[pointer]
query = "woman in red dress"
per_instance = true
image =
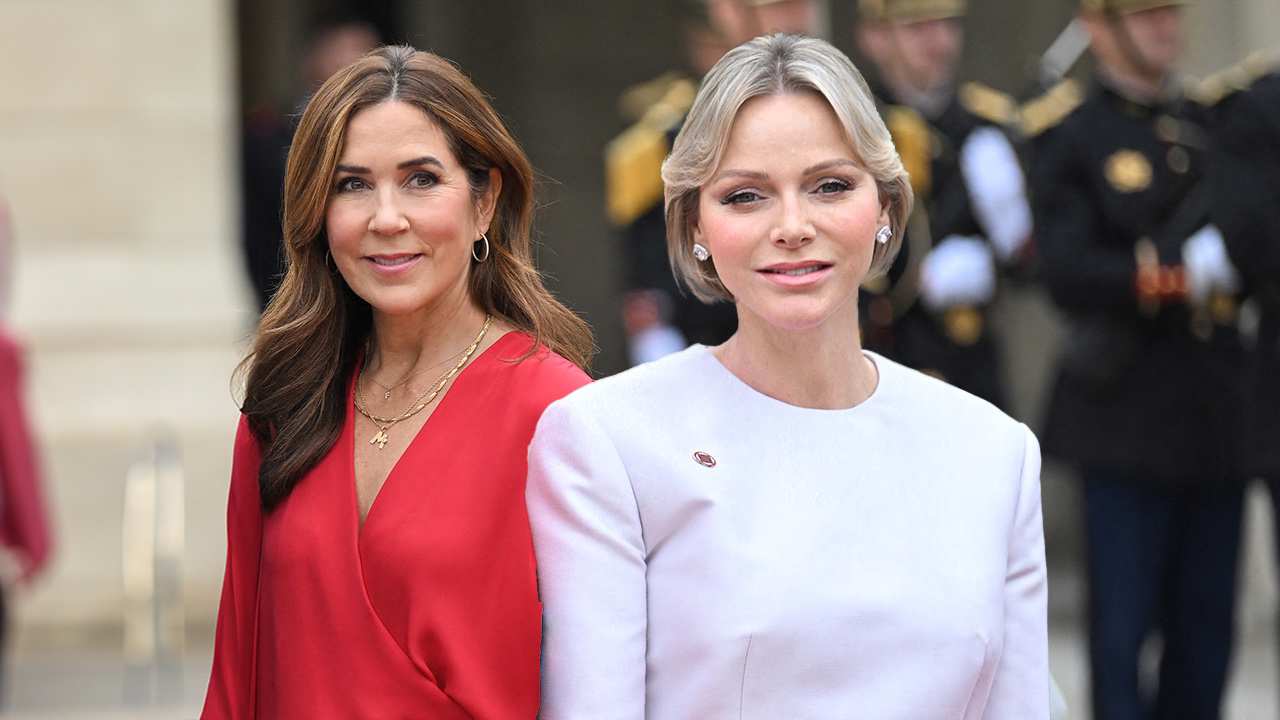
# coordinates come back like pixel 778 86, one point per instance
pixel 379 563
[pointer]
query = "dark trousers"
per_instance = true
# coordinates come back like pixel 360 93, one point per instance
pixel 1162 559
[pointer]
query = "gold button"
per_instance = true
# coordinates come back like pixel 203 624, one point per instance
pixel 1167 129
pixel 1179 160
pixel 964 325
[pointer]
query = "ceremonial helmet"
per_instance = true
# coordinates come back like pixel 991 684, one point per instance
pixel 1124 7
pixel 911 10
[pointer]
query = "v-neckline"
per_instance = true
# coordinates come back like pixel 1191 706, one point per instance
pixel 361 523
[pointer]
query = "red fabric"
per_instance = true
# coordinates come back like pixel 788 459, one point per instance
pixel 428 611
pixel 23 523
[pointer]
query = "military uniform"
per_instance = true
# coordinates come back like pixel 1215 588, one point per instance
pixel 1248 130
pixel 633 177
pixel 951 338
pixel 1146 398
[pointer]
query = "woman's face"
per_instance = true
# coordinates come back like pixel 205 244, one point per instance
pixel 790 215
pixel 401 217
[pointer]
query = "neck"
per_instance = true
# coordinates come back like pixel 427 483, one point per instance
pixel 1143 87
pixel 930 102
pixel 402 344
pixel 821 367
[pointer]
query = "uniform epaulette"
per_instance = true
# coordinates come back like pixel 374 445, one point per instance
pixel 633 172
pixel 1225 83
pixel 637 99
pixel 988 103
pixel 1051 108
pixel 633 160
pixel 914 141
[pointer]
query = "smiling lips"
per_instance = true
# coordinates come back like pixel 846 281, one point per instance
pixel 796 273
pixel 391 264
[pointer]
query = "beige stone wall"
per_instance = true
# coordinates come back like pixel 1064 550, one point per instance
pixel 1225 31
pixel 118 155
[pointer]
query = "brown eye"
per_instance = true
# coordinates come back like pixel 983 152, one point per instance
pixel 422 180
pixel 349 184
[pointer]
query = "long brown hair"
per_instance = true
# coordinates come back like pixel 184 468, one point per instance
pixel 312 331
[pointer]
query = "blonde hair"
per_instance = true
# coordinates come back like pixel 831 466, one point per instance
pixel 775 65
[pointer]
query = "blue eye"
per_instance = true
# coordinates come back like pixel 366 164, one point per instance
pixel 740 198
pixel 831 187
pixel 348 184
pixel 422 180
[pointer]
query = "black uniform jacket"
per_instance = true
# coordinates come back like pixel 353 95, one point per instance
pixel 633 168
pixel 1152 389
pixel 956 344
pixel 1247 181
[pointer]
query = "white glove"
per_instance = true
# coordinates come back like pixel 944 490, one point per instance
pixel 1207 266
pixel 958 271
pixel 994 177
pixel 654 342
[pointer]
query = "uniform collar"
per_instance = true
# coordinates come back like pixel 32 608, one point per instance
pixel 1132 100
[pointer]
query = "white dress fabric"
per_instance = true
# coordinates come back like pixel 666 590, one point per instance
pixel 705 551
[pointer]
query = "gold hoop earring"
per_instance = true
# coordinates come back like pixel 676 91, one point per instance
pixel 484 239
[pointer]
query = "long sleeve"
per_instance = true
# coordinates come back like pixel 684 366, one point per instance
pixel 231 683
pixel 1245 173
pixel 998 191
pixel 591 568
pixel 23 520
pixel 1080 272
pixel 1020 690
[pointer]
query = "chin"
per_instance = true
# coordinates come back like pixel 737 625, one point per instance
pixel 397 303
pixel 798 316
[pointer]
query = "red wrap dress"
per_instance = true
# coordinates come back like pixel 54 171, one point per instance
pixel 428 610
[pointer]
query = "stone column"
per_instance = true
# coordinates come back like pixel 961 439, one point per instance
pixel 118 156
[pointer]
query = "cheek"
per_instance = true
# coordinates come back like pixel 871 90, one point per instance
pixel 853 226
pixel 343 226
pixel 444 221
pixel 730 235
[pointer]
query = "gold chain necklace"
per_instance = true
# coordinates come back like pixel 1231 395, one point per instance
pixel 386 395
pixel 381 438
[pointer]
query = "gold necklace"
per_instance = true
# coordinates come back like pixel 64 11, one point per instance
pixel 386 395
pixel 381 438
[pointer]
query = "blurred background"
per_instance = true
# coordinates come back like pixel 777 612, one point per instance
pixel 126 132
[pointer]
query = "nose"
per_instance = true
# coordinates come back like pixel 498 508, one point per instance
pixel 794 229
pixel 387 218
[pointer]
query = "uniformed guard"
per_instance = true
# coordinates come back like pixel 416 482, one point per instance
pixel 658 317
pixel 1245 180
pixel 934 313
pixel 1247 111
pixel 1146 400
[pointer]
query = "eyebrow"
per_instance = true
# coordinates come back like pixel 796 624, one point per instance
pixel 749 174
pixel 757 175
pixel 838 162
pixel 360 170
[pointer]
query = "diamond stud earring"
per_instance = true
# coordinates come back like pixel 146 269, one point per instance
pixel 701 252
pixel 883 234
